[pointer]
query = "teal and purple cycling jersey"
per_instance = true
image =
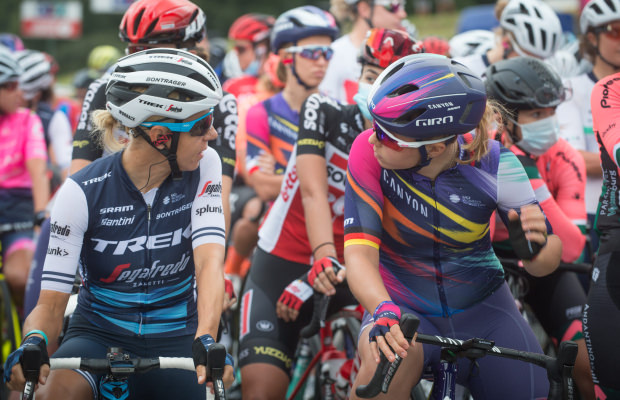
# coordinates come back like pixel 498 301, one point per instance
pixel 435 254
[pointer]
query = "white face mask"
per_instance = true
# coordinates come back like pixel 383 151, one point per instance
pixel 539 136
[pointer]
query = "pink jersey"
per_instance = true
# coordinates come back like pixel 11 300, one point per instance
pixel 605 103
pixel 559 183
pixel 21 139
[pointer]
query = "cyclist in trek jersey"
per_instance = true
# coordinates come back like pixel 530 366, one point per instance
pixel 146 226
pixel 148 24
pixel 601 315
pixel 529 91
pixel 600 42
pixel 343 73
pixel 527 28
pixel 302 38
pixel 418 200
pixel 24 185
pixel 302 235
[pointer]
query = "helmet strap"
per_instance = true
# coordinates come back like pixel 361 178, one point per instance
pixel 614 66
pixel 294 71
pixel 423 156
pixel 170 154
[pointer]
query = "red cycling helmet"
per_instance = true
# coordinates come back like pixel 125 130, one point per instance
pixel 435 45
pixel 163 21
pixel 253 27
pixel 384 46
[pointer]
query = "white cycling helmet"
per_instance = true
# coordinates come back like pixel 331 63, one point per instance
pixel 535 26
pixel 37 72
pixel 9 68
pixel 476 41
pixel 599 12
pixel 161 71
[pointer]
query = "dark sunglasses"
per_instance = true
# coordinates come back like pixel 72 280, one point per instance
pixel 198 127
pixel 612 31
pixel 392 6
pixel 312 52
pixel 385 139
pixel 10 86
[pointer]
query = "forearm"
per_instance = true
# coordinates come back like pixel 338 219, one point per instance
pixel 363 276
pixel 210 287
pixel 37 169
pixel 593 164
pixel 547 260
pixel 570 235
pixel 319 225
pixel 266 186
pixel 48 314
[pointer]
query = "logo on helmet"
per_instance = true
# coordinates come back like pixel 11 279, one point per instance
pixel 434 121
pixel 172 108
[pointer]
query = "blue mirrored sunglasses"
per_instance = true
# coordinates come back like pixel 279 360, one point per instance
pixel 193 127
pixel 313 52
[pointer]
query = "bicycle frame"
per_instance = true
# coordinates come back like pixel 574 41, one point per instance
pixel 559 370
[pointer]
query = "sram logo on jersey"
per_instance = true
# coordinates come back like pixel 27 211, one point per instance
pixel 208 209
pixel 110 210
pixel 134 245
pixel 434 121
pixel 210 189
pixel 98 179
pixel 56 229
pixel 123 272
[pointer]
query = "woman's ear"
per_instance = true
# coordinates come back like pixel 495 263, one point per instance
pixel 592 39
pixel 435 149
pixel 159 136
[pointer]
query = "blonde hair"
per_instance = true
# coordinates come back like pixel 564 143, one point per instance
pixel 479 147
pixel 105 124
pixel 342 11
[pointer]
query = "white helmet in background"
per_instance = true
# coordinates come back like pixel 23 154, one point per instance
pixel 476 41
pixel 599 12
pixel 535 26
pixel 37 72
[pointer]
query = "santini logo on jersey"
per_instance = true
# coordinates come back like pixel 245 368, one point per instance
pixel 122 221
pixel 139 243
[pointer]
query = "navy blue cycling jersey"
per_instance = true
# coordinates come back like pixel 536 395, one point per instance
pixel 136 250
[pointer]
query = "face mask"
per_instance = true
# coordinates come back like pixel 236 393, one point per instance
pixel 361 98
pixel 252 69
pixel 539 136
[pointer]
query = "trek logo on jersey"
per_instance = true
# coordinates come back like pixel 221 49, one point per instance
pixel 208 209
pixel 98 179
pixel 60 252
pixel 110 210
pixel 56 229
pixel 434 121
pixel 123 273
pixel 210 189
pixel 140 243
pixel 606 92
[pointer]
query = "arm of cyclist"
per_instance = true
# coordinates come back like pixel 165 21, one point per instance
pixel 37 169
pixel 263 179
pixel 367 286
pixel 208 243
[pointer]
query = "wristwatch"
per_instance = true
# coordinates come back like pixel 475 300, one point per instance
pixel 39 217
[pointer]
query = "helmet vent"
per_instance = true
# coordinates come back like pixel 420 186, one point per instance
pixel 136 21
pixel 392 72
pixel 409 116
pixel 465 80
pixel 404 89
pixel 151 27
pixel 537 13
pixel 194 14
pixel 466 112
pixel 530 33
pixel 611 5
pixel 523 9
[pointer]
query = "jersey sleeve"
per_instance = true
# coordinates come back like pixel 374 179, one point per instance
pixel 571 125
pixel 61 136
pixel 257 128
pixel 85 145
pixel 225 123
pixel 312 133
pixel 363 196
pixel 35 146
pixel 207 211
pixel 605 103
pixel 68 224
pixel 514 189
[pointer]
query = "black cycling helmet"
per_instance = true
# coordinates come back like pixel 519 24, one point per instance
pixel 524 83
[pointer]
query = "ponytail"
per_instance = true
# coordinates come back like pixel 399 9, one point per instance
pixel 105 123
pixel 479 147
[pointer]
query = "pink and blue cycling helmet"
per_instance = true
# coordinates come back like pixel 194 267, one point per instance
pixel 425 96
